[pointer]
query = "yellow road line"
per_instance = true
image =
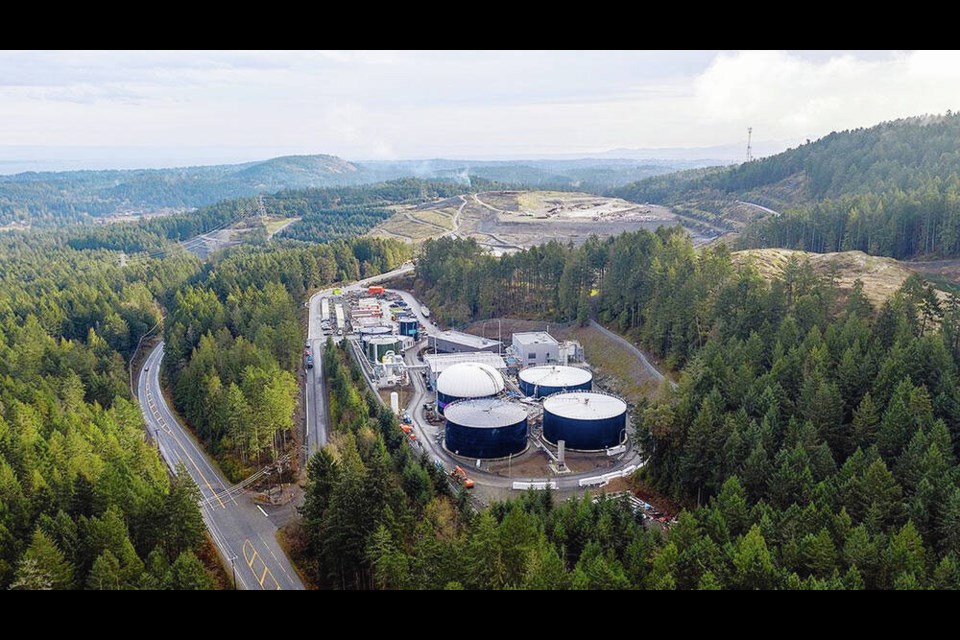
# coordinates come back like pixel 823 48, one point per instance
pixel 251 556
pixel 192 461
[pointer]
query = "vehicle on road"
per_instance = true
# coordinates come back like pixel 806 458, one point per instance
pixel 460 476
pixel 406 419
pixel 308 361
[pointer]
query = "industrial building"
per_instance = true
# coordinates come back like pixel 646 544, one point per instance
pixel 467 380
pixel 548 379
pixel 368 331
pixel 379 346
pixel 439 362
pixel 485 428
pixel 409 326
pixel 458 342
pixel 536 347
pixel 585 420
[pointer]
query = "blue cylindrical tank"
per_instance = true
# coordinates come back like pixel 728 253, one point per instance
pixel 585 420
pixel 485 428
pixel 409 327
pixel 548 379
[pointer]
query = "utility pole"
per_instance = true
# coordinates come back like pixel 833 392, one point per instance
pixel 749 148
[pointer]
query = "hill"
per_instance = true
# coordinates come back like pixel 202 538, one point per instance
pixel 892 189
pixel 881 276
pixel 45 199
pixel 54 198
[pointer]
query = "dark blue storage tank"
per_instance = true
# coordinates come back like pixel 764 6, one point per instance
pixel 548 379
pixel 585 420
pixel 485 428
pixel 409 327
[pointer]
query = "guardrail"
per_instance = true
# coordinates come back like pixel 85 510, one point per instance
pixel 600 481
pixel 537 486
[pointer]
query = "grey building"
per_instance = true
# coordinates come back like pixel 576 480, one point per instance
pixel 535 347
pixel 458 342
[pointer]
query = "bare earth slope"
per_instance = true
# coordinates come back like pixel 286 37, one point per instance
pixel 881 276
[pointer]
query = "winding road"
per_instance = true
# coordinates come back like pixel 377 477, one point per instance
pixel 626 344
pixel 243 532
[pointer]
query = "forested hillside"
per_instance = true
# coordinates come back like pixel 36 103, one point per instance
pixel 44 199
pixel 85 502
pixel 892 189
pixel 820 432
pixel 326 214
pixel 234 342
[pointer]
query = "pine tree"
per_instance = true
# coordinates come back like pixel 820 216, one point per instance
pixel 188 574
pixel 43 565
pixel 105 574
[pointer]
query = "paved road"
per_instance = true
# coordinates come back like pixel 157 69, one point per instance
pixel 427 434
pixel 652 370
pixel 242 531
pixel 317 417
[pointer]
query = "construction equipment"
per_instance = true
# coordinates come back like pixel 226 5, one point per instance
pixel 460 476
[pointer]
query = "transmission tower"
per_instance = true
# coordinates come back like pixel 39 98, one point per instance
pixel 262 210
pixel 749 148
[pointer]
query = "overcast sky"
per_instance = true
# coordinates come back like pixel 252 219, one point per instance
pixel 158 108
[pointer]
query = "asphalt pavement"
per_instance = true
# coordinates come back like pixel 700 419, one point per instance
pixel 243 532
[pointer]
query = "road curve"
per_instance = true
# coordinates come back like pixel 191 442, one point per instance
pixel 242 531
pixel 652 370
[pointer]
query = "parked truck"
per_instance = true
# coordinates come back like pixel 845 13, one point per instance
pixel 375 290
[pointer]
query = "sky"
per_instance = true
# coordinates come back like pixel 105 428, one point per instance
pixel 142 108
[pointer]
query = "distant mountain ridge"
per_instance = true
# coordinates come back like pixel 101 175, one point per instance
pixel 73 196
pixel 54 198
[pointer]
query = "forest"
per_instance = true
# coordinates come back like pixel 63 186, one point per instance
pixel 85 502
pixel 234 341
pixel 813 437
pixel 892 190
pixel 55 199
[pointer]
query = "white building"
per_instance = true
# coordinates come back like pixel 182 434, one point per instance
pixel 535 347
pixel 439 362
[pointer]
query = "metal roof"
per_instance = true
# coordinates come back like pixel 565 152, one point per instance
pixel 439 362
pixel 484 413
pixel 584 405
pixel 555 376
pixel 465 339
pixel 534 337
pixel 470 380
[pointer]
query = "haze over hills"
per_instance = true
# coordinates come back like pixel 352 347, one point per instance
pixel 51 198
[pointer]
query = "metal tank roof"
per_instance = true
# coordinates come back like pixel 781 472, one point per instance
pixel 584 405
pixel 484 413
pixel 381 340
pixel 470 380
pixel 555 376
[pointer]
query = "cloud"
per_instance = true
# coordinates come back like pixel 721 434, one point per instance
pixel 786 96
pixel 385 104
